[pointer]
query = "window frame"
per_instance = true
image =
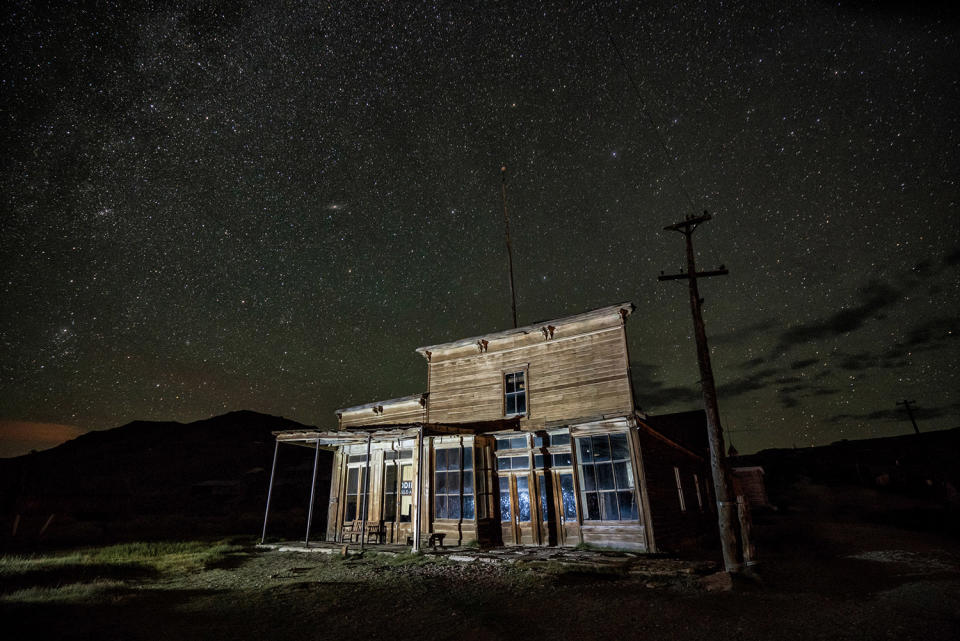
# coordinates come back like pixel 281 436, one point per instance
pixel 581 486
pixel 466 453
pixel 516 369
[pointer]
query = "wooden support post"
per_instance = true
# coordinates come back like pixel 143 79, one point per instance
pixel 419 497
pixel 366 495
pixel 266 513
pixel 313 490
pixel 746 524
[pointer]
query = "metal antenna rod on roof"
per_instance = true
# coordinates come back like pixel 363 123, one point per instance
pixel 506 224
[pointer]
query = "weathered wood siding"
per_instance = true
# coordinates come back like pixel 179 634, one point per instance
pixel 673 528
pixel 407 411
pixel 582 371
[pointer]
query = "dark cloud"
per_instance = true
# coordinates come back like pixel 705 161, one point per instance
pixel 651 393
pixel 803 363
pixel 748 332
pixel 758 380
pixel 875 297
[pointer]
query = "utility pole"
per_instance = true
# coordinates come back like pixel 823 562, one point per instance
pixel 506 224
pixel 906 405
pixel 726 507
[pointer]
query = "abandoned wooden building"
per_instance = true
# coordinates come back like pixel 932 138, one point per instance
pixel 528 436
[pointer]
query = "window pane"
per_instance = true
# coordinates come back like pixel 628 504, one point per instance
pixel 561 459
pixel 441 483
pixel 601 448
pixel 544 497
pixel 589 479
pixel 440 504
pixel 503 444
pixel 453 482
pixel 468 458
pixel 538 461
pixel 591 506
pixel 567 497
pixel 453 507
pixel 624 475
pixel 504 499
pixel 352 474
pixel 520 462
pixel 511 404
pixel 519 382
pixel 406 454
pixel 559 439
pixel 468 507
pixel 518 442
pixel 586 449
pixel 609 501
pixel 538 441
pixel 390 507
pixel 620 447
pixel 605 476
pixel 628 506
pixel 390 479
pixel 521 403
pixel 503 463
pixel 350 513
pixel 523 499
pixel 468 482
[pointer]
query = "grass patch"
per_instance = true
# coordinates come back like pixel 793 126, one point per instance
pixel 80 574
pixel 409 558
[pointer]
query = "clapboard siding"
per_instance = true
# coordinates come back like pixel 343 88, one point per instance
pixel 567 377
pixel 407 412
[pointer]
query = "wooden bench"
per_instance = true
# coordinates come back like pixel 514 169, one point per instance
pixel 377 531
pixel 431 540
pixel 351 532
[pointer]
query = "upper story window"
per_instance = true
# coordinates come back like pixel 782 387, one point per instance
pixel 515 393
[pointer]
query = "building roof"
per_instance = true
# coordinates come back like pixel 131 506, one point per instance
pixel 393 401
pixel 625 308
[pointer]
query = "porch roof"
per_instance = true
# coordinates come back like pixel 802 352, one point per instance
pixel 355 435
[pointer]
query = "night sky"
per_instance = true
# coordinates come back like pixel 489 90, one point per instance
pixel 209 207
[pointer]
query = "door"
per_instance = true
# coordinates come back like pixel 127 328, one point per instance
pixel 557 508
pixel 516 514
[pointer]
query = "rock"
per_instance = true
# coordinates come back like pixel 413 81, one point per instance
pixel 717 582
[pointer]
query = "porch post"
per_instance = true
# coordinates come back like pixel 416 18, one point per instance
pixel 313 490
pixel 273 468
pixel 366 495
pixel 416 519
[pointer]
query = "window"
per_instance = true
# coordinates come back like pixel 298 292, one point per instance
pixel 356 480
pixel 606 475
pixel 390 493
pixel 451 500
pixel 683 503
pixel 515 393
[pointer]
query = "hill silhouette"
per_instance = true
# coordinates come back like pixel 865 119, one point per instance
pixel 155 480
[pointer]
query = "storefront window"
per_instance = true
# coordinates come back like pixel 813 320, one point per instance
pixel 606 478
pixel 453 483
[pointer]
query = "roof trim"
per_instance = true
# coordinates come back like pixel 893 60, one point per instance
pixel 392 401
pixel 532 327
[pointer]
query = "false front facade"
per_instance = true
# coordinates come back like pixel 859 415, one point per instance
pixel 524 437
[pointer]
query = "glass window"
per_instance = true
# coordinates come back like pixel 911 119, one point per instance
pixel 606 475
pixel 523 499
pixel 544 499
pixel 560 439
pixel 505 499
pixel 515 393
pixel 567 497
pixel 356 477
pixel 453 483
pixel 560 460
pixel 390 493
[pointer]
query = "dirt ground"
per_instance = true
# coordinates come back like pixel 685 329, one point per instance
pixel 823 576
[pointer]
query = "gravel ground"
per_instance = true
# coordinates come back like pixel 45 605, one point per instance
pixel 818 580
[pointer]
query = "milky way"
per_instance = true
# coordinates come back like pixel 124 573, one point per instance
pixel 269 206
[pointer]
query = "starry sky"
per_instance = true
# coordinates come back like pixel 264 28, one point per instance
pixel 243 205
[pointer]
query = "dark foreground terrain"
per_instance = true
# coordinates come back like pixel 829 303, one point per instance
pixel 826 573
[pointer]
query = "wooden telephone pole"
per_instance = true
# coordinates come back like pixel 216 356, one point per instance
pixel 726 506
pixel 906 405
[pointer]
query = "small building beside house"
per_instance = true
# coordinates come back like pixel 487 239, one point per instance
pixel 528 436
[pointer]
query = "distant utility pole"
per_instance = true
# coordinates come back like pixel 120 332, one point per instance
pixel 506 224
pixel 906 405
pixel 726 506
